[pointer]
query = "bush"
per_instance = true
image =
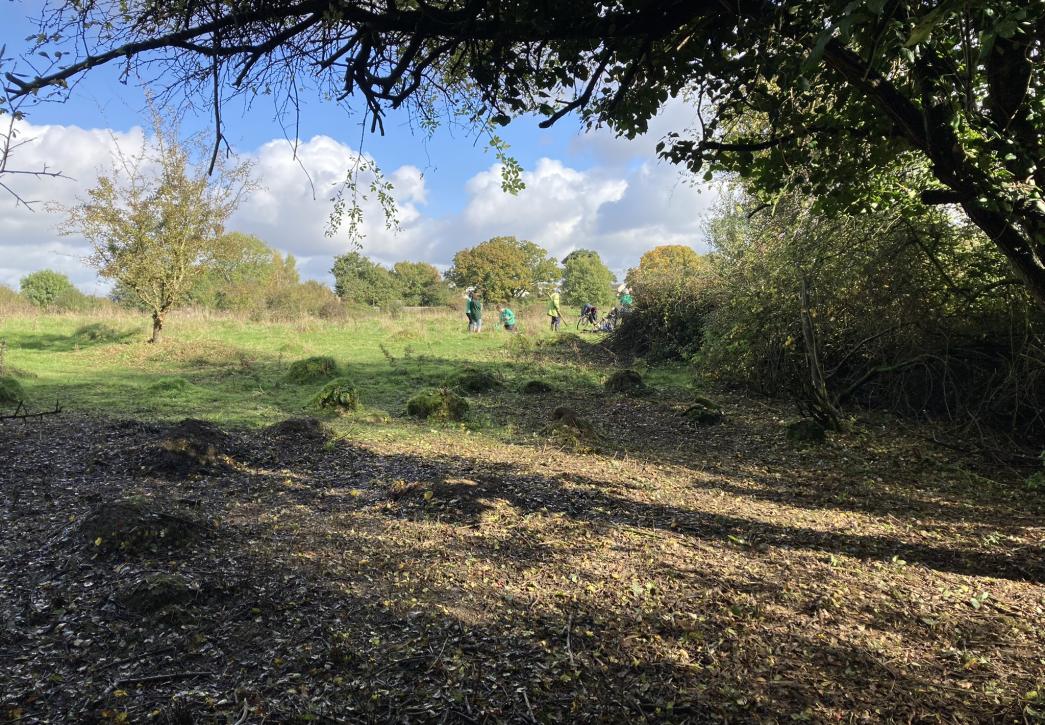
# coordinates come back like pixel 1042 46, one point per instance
pixel 311 370
pixel 473 380
pixel 627 382
pixel 12 303
pixel 11 391
pixel 437 404
pixel 44 287
pixel 339 395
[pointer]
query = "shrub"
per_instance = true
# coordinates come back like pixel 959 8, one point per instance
pixel 437 404
pixel 312 370
pixel 10 391
pixel 339 394
pixel 627 382
pixel 44 287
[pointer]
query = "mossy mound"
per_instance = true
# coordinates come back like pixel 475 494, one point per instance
pixel 474 380
pixel 339 395
pixel 536 387
pixel 437 404
pixel 570 431
pixel 311 370
pixel 297 430
pixel 806 431
pixel 167 386
pixel 138 525
pixel 158 592
pixel 11 391
pixel 627 382
pixel 703 412
pixel 189 448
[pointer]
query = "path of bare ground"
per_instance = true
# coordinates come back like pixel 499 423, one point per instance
pixel 705 575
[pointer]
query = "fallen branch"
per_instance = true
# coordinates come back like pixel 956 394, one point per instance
pixel 162 678
pixel 25 416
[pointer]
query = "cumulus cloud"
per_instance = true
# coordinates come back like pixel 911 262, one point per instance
pixel 621 205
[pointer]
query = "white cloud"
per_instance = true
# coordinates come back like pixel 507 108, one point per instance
pixel 621 206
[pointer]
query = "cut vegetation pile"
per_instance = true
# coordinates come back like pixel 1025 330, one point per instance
pixel 474 380
pixel 340 395
pixel 703 412
pixel 189 448
pixel 570 431
pixel 437 404
pixel 138 526
pixel 536 387
pixel 806 432
pixel 11 391
pixel 627 382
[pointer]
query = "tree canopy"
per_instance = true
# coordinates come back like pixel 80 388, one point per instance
pixel 824 96
pixel 359 279
pixel 585 279
pixel 503 268
pixel 45 286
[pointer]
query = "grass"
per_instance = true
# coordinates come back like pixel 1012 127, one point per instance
pixel 614 565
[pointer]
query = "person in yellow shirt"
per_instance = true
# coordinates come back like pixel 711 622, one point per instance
pixel 553 310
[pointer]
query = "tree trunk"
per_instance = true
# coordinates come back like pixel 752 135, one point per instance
pixel 157 326
pixel 823 407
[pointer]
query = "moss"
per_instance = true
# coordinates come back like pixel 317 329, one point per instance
pixel 474 380
pixel 536 387
pixel 806 431
pixel 703 412
pixel 11 391
pixel 312 370
pixel 437 404
pixel 339 394
pixel 627 382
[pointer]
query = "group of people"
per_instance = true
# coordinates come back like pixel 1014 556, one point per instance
pixel 473 310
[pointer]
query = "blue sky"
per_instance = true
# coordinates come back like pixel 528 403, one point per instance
pixel 584 190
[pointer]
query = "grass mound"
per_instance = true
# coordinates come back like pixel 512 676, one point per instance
pixel 806 432
pixel 703 412
pixel 311 370
pixel 627 382
pixel 10 391
pixel 536 387
pixel 474 380
pixel 438 405
pixel 339 395
pixel 138 525
pixel 168 386
pixel 570 431
pixel 99 332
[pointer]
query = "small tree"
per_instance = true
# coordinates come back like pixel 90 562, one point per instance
pixel 155 222
pixel 586 280
pixel 42 288
pixel 420 284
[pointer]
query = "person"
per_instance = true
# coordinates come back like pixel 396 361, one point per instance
pixel 507 317
pixel 590 314
pixel 474 310
pixel 553 310
pixel 625 300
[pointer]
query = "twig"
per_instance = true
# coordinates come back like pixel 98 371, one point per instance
pixel 569 649
pixel 24 416
pixel 162 678
pixel 135 658
pixel 529 709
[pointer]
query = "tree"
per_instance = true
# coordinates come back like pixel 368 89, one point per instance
pixel 156 233
pixel 504 268
pixel 585 279
pixel 245 272
pixel 420 283
pixel 666 266
pixel 826 96
pixel 42 288
pixel 359 279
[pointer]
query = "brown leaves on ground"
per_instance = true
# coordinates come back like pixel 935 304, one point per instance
pixel 680 575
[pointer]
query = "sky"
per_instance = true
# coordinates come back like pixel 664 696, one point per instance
pixel 583 190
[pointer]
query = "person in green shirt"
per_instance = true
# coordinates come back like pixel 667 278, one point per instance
pixel 473 308
pixel 507 317
pixel 553 310
pixel 625 300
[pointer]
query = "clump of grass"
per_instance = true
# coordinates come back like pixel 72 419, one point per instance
pixel 168 386
pixel 474 380
pixel 11 391
pixel 704 412
pixel 627 382
pixel 441 404
pixel 312 370
pixel 99 332
pixel 339 394
pixel 536 387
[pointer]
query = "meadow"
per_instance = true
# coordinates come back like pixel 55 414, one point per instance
pixel 368 566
